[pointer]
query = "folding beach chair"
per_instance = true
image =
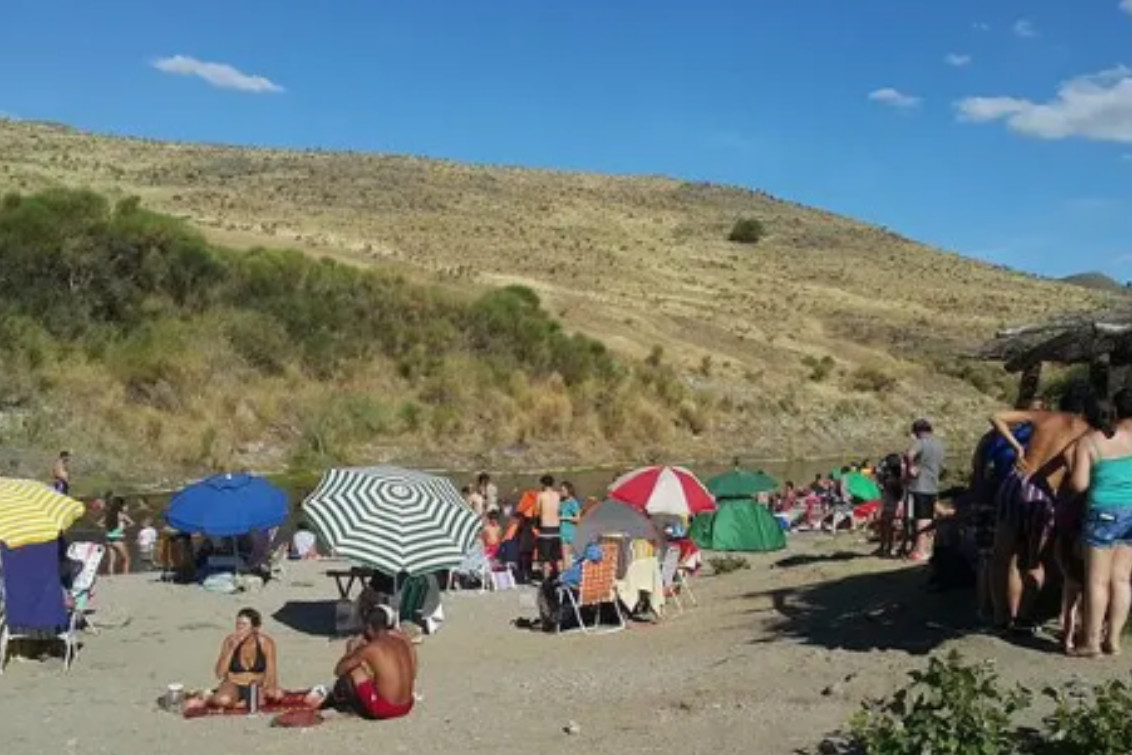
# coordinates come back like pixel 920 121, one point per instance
pixel 674 578
pixel 502 577
pixel 89 556
pixel 475 565
pixel 596 590
pixel 34 604
pixel 276 565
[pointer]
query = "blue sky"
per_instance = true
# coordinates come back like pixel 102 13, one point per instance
pixel 1000 130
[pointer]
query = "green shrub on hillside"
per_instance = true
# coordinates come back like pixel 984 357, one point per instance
pixel 125 319
pixel 820 369
pixel 871 380
pixel 746 231
pixel 72 265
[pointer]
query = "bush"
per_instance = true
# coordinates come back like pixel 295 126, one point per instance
pixel 871 380
pixel 1098 724
pixel 746 231
pixel 820 369
pixel 146 303
pixel 728 564
pixel 950 709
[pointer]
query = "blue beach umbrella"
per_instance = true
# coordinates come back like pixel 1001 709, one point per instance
pixel 227 505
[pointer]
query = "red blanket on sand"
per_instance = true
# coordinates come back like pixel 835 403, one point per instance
pixel 292 700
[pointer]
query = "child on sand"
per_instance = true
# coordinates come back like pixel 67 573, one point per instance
pixel 147 542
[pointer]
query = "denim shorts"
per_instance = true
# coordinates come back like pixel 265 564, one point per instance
pixel 1105 528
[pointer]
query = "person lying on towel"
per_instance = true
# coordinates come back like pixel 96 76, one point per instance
pixel 376 676
pixel 247 658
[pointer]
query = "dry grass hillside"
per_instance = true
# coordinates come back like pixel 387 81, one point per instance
pixel 828 335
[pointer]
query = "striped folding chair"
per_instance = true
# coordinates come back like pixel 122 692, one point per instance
pixel 596 590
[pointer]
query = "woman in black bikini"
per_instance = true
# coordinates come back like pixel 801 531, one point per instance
pixel 247 657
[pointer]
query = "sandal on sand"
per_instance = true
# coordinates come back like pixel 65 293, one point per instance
pixel 1085 653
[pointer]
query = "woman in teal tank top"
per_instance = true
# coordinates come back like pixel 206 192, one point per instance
pixel 1102 469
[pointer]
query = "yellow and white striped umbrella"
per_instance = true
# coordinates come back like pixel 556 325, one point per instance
pixel 31 512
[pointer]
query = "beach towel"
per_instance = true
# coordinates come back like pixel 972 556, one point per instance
pixel 33 592
pixel 292 700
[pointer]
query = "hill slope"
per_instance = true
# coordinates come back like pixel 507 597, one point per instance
pixel 1095 282
pixel 826 335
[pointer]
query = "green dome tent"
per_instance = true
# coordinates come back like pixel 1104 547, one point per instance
pixel 748 527
pixel 739 483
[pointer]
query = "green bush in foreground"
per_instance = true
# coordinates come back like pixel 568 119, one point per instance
pixel 955 708
pixel 949 709
pixel 1096 724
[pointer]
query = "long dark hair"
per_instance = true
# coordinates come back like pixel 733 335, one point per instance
pixel 1104 414
pixel 114 511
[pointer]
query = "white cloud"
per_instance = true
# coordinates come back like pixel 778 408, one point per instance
pixel 1126 6
pixel 219 75
pixel 980 26
pixel 1096 106
pixel 959 60
pixel 1025 28
pixel 894 98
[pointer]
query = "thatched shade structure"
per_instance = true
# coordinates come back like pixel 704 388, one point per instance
pixel 1100 339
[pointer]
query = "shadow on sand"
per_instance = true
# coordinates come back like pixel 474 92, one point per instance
pixel 891 610
pixel 806 559
pixel 313 617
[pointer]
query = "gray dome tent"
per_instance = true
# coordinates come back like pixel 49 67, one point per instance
pixel 611 517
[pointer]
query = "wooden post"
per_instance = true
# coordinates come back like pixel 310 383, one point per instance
pixel 1028 384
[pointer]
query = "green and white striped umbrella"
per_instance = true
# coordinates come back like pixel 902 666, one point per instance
pixel 393 519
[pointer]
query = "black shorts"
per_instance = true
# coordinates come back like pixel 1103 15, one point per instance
pixel 549 544
pixel 923 505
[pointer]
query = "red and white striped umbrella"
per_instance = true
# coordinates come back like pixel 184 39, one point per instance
pixel 663 490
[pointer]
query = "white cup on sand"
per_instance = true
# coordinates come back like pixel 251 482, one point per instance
pixel 174 696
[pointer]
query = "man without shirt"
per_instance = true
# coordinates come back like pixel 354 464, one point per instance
pixel 550 528
pixel 377 674
pixel 1026 499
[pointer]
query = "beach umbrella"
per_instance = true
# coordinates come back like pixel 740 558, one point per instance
pixel 663 490
pixel 861 487
pixel 393 519
pixel 228 505
pixel 740 483
pixel 33 513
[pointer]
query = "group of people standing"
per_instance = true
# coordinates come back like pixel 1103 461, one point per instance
pixel 541 532
pixel 1061 482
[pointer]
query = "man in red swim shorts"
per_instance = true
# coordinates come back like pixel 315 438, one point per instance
pixel 376 676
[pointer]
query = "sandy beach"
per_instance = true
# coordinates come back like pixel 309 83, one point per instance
pixel 770 660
